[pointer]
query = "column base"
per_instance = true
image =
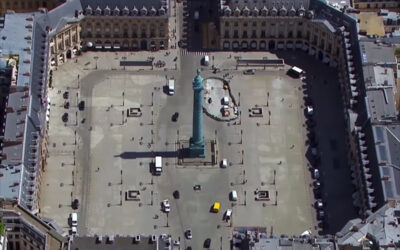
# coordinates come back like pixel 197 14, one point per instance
pixel 197 150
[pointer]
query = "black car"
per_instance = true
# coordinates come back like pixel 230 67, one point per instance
pixel 65 117
pixel 75 204
pixel 176 194
pixel 175 117
pixel 66 105
pixel 66 95
pixel 81 105
pixel 207 243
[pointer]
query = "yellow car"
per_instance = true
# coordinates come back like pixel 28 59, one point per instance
pixel 216 207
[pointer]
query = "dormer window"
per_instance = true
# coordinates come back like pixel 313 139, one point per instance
pixel 227 11
pixel 88 10
pixel 283 11
pixel 237 12
pixel 153 11
pixel 98 11
pixel 264 11
pixel 292 11
pixel 273 11
pixel 116 11
pixel 255 12
pixel 107 11
pixel 135 11
pixel 125 11
pixel 161 11
pixel 246 11
pixel 143 11
pixel 301 11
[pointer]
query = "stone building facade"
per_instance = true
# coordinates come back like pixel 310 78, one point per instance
pixel 111 26
pixel 290 26
pixel 375 5
pixel 28 5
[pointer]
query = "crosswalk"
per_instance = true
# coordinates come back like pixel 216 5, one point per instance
pixel 186 52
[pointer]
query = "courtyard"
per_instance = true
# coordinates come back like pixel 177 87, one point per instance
pixel 100 153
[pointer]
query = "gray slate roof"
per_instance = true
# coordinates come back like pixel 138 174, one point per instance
pixel 267 3
pixel 376 53
pixel 121 3
pixel 382 227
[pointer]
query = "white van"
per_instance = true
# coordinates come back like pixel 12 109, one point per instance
pixel 228 214
pixel 171 87
pixel 158 165
pixel 234 195
pixel 296 72
pixel 206 60
pixel 225 100
pixel 74 219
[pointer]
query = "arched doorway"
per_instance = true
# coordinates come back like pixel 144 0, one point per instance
pixel 271 45
pixel 143 44
pixel 68 54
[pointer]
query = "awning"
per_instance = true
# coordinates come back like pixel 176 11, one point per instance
pixel 311 52
pixel 361 135
pixel 370 190
pixel 347 45
pixel 99 47
pixel 262 45
pixel 253 45
pixel 289 45
pixel 235 45
pixel 353 88
pixel 226 45
pixel 364 156
pixel 305 47
pixel 244 45
pixel 299 45
pixel 365 162
pixel 116 47
pixel 352 81
pixel 346 40
pixel 280 45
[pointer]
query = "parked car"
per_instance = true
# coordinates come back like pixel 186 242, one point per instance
pixel 320 214
pixel 66 105
pixel 64 117
pixel 175 117
pixel 317 185
pixel 166 207
pixel 309 110
pixel 188 234
pixel 319 204
pixel 66 95
pixel 224 163
pixel 315 173
pixel 207 243
pixel 176 194
pixel 249 72
pixel 75 204
pixel 81 105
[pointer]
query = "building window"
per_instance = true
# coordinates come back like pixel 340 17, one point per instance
pixel 299 34
pixel 245 34
pixel 263 24
pixel 235 34
pixel 263 34
pixel 290 34
pixel 254 24
pixel 235 24
pixel 226 34
pixel 226 24
pixel 254 34
pixel 245 24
